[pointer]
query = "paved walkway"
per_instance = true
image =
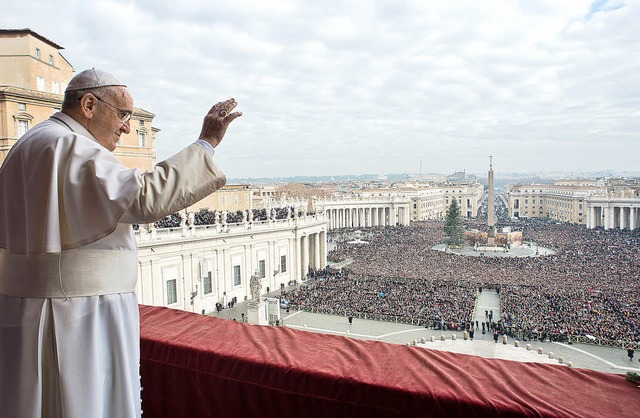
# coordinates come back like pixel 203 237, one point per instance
pixel 519 251
pixel 488 301
pixel 604 359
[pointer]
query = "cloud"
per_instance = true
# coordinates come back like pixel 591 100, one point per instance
pixel 371 87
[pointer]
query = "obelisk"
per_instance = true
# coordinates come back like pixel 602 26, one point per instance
pixel 491 233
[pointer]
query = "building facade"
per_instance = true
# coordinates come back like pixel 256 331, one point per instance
pixel 232 198
pixel 365 210
pixel 193 267
pixel 33 77
pixel 430 202
pixel 610 204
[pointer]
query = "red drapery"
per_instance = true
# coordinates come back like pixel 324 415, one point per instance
pixel 198 366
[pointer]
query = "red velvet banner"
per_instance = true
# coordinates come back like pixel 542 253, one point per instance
pixel 198 366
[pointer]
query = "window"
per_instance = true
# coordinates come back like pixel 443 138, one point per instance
pixel 283 264
pixel 141 122
pixel 38 53
pixel 235 199
pixel 40 83
pixel 223 199
pixel 55 87
pixel 261 269
pixel 50 59
pixel 237 279
pixel 142 139
pixel 207 284
pixel 172 295
pixel 23 127
pixel 22 106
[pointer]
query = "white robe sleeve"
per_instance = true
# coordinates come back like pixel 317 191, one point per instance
pixel 173 185
pixel 61 190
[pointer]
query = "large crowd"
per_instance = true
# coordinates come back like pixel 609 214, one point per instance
pixel 590 287
pixel 208 217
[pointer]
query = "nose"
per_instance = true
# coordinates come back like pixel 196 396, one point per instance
pixel 126 128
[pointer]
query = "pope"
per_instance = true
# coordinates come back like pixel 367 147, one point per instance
pixel 69 324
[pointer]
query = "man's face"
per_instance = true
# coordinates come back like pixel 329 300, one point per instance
pixel 106 125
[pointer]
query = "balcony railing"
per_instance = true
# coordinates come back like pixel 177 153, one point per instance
pixel 198 366
pixel 143 235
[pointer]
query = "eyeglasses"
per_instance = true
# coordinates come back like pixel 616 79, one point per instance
pixel 123 115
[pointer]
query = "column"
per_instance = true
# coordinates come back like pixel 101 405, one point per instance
pixel 633 218
pixel 275 267
pixel 323 249
pixel 392 216
pixel 316 251
pixel 607 217
pixel 248 270
pixel 227 275
pixel 405 216
pixel 305 256
pixel 298 267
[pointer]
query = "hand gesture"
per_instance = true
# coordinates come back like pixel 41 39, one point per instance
pixel 217 120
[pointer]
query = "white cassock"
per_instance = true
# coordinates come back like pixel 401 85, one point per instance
pixel 69 325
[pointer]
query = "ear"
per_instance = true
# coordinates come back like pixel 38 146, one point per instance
pixel 87 102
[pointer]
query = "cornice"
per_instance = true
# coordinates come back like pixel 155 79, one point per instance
pixel 18 93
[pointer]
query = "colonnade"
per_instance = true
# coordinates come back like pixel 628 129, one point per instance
pixel 311 252
pixel 367 216
pixel 613 216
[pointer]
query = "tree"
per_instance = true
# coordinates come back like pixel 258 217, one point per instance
pixel 453 226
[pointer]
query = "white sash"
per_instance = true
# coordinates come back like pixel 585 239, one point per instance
pixel 71 273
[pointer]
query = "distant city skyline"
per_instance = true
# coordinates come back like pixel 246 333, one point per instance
pixel 353 87
pixel 480 177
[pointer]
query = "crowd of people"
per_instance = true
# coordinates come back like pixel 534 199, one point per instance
pixel 442 305
pixel 208 217
pixel 590 287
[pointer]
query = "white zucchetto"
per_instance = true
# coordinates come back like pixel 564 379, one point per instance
pixel 89 79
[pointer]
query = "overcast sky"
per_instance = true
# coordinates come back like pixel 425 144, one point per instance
pixel 354 87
